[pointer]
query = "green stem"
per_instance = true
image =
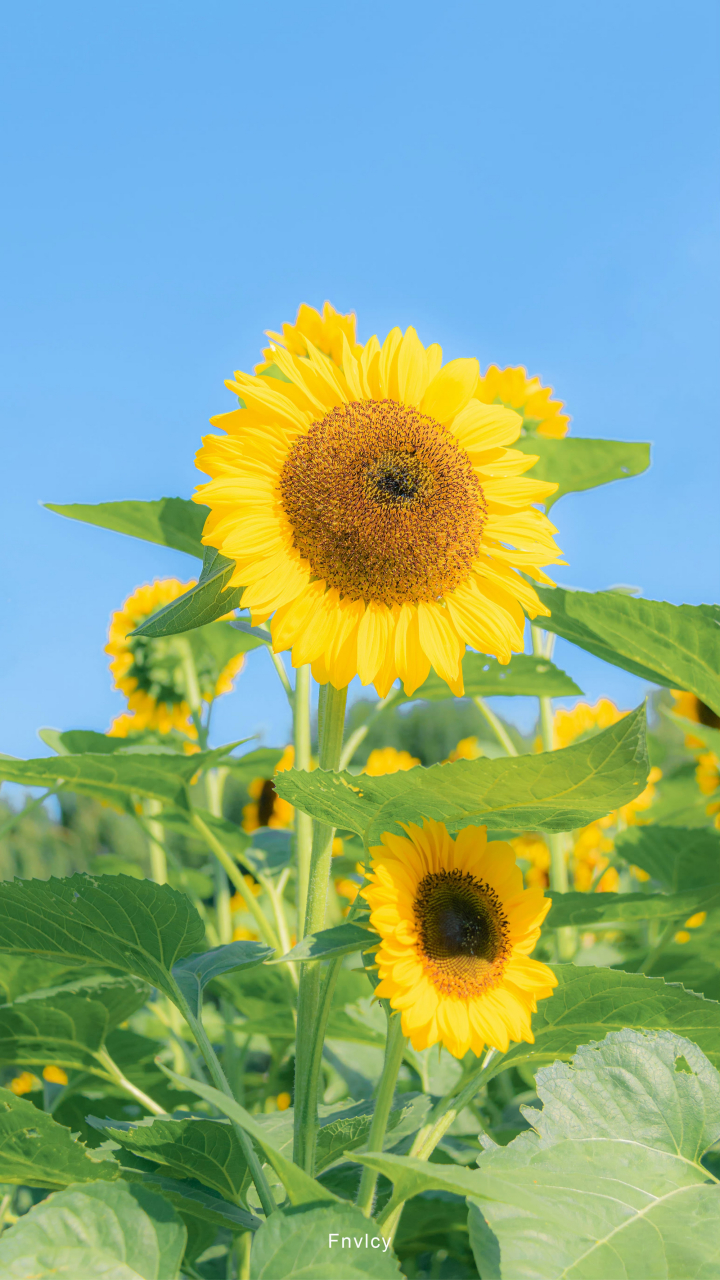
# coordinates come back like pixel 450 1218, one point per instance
pixel 394 1049
pixel 267 933
pixel 303 821
pixel 156 840
pixel 363 730
pixel 497 726
pixel 660 946
pixel 192 684
pixel 214 784
pixel 122 1081
pixel 543 645
pixel 14 818
pixel 331 717
pixel 275 894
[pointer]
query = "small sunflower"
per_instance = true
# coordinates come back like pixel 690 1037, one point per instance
pixel 388 760
pixel 373 508
pixel 540 414
pixel 152 672
pixel 456 929
pixel 583 720
pixel 267 808
pixel 690 707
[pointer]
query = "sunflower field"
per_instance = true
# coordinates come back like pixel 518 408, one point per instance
pixel 412 993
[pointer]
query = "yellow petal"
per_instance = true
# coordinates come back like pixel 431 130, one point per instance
pixel 439 639
pixel 411 368
pixel 450 390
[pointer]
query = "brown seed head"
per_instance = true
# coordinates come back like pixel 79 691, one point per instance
pixel 463 933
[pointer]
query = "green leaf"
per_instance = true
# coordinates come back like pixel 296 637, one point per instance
pixel 709 736
pixel 233 838
pixel 223 641
pixel 260 763
pixel 113 1231
pixel 301 1188
pixel 594 908
pixel 173 522
pixel 208 1150
pixel 589 1002
pixel 577 463
pixel 211 599
pixel 194 972
pixel 75 742
pixel 192 1202
pixel 113 778
pixel 67 1028
pixel 295 1245
pixel 116 922
pixel 678 857
pixel 19 974
pixel 338 941
pixel 556 791
pixel 36 1151
pixel 524 675
pixel 668 644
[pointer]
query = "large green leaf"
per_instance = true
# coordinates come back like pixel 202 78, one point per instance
pixel 524 675
pixel 194 972
pixel 594 908
pixel 115 922
pixel 589 1002
pixel 211 599
pixel 339 941
pixel 193 1202
pixel 557 790
pixel 173 522
pixel 307 1244
pixel 577 463
pixel 678 857
pixel 208 1150
pixel 67 1028
pixel 36 1151
pixel 158 775
pixel 101 1229
pixel 668 644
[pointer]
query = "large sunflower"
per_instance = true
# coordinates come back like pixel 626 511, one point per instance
pixel 541 415
pixel 153 672
pixel 456 929
pixel 372 507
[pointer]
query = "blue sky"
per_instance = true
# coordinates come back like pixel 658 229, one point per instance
pixel 526 183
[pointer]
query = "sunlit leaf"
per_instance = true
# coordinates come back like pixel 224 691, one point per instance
pixel 36 1151
pixel 208 1150
pixel 596 908
pixel 194 972
pixel 578 463
pixel 525 675
pixel 338 941
pixel 679 858
pixel 211 599
pixel 306 1244
pixel 173 522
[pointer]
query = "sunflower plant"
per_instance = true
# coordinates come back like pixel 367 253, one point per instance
pixel 412 993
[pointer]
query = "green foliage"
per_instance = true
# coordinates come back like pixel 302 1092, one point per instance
pixel 208 1150
pixel 173 522
pixel 36 1151
pixel 678 858
pixel 578 463
pixel 524 675
pixel 103 1229
pixel 596 908
pixel 295 1244
pixel 115 922
pixel 668 644
pixel 211 599
pixel 194 972
pixel 555 791
pixel 340 941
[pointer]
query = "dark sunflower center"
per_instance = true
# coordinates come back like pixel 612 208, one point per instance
pixel 707 716
pixel 463 932
pixel 160 669
pixel 383 503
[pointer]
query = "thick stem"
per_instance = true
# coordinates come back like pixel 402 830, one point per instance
pixel 156 840
pixel 331 724
pixel 214 783
pixel 394 1050
pixel 114 1071
pixel 267 933
pixel 303 821
pixel 497 726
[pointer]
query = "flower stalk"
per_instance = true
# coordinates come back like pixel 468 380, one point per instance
pixel 395 1046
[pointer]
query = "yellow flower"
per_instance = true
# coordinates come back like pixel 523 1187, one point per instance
pixel 267 808
pixel 533 849
pixel 695 921
pixel 708 772
pixel 245 935
pixel 283 1101
pixel 628 813
pixel 568 726
pixel 456 929
pixel 152 673
pixel 24 1083
pixel 55 1075
pixel 690 707
pixel 466 749
pixel 373 509
pixel 512 387
pixel 682 936
pixel 387 760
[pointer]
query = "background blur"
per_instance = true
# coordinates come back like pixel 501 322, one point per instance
pixel 530 184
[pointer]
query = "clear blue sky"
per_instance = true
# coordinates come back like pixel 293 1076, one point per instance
pixel 527 183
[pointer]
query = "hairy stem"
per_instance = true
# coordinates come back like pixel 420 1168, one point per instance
pixel 394 1049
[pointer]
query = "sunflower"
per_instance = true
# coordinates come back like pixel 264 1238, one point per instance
pixel 373 509
pixel 456 929
pixel 584 720
pixel 152 672
pixel 388 760
pixel 527 396
pixel 466 749
pixel 690 707
pixel 267 808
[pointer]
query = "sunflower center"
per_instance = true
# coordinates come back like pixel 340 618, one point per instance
pixel 159 668
pixel 464 935
pixel 383 503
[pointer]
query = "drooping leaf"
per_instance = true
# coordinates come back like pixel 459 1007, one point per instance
pixel 594 908
pixel 556 791
pixel 578 463
pixel 338 941
pixel 679 858
pixel 668 644
pixel 208 1150
pixel 525 675
pixel 114 922
pixel 173 522
pixel 194 972
pixel 306 1244
pixel 192 1202
pixel 36 1151
pixel 109 1230
pixel 67 1028
pixel 211 599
